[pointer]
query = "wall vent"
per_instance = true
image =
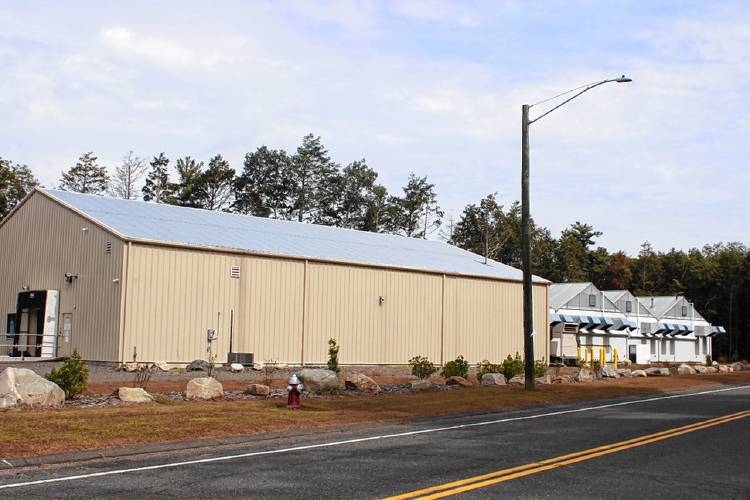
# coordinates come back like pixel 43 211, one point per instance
pixel 234 272
pixel 108 247
pixel 570 328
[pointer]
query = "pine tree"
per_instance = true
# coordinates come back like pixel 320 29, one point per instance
pixel 417 213
pixel 310 168
pixel 16 181
pixel 86 176
pixel 189 190
pixel 157 187
pixel 357 195
pixel 265 188
pixel 127 175
pixel 217 184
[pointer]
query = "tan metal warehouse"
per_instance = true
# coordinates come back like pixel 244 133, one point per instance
pixel 110 276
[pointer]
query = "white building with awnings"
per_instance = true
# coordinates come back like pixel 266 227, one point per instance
pixel 585 322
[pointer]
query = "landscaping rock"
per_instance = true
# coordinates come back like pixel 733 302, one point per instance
pixel 563 379
pixel 656 372
pixel 519 379
pixel 198 365
pixel 699 369
pixel 685 369
pixel 236 368
pixel 624 372
pixel 204 388
pixel 639 373
pixel 257 366
pixel 23 387
pixel 420 385
pixel 584 375
pixel 715 364
pixel 609 371
pixel 737 367
pixel 258 390
pixel 711 369
pixel 131 366
pixel 546 380
pixel 456 380
pixel 162 365
pixel 492 379
pixel 723 369
pixel 361 382
pixel 134 395
pixel 318 380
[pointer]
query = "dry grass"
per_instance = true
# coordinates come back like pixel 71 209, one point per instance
pixel 36 432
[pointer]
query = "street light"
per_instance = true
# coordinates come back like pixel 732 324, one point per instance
pixel 528 308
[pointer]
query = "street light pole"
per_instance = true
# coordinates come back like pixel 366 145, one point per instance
pixel 528 302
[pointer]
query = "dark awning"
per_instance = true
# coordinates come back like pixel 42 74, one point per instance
pixel 567 318
pixel 607 323
pixel 554 319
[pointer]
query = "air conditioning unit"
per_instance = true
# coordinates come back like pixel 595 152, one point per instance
pixel 243 358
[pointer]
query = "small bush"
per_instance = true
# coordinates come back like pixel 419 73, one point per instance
pixel 486 367
pixel 709 361
pixel 333 355
pixel 512 366
pixel 540 368
pixel 596 366
pixel 72 376
pixel 459 367
pixel 421 367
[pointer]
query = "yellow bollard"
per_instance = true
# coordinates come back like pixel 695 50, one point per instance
pixel 615 357
pixel 602 357
pixel 578 355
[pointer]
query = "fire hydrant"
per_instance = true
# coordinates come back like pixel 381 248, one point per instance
pixel 295 388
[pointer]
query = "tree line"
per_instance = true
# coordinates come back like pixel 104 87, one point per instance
pixel 308 186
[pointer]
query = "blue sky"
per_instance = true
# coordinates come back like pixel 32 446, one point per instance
pixel 433 87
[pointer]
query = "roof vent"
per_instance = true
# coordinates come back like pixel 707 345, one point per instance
pixel 234 272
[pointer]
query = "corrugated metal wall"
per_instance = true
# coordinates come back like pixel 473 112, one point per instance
pixel 39 244
pixel 282 307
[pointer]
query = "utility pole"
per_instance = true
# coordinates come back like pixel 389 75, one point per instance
pixel 528 305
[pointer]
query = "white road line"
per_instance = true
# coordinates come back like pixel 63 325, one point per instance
pixel 360 440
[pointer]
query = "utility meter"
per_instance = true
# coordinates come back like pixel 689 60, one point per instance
pixel 211 335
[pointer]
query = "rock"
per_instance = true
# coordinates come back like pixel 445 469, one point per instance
pixel 162 365
pixel 519 379
pixel 420 385
pixel 361 382
pixel 236 368
pixel 699 369
pixel 282 366
pixel 204 388
pixel 723 369
pixel 456 380
pixel 131 366
pixel 258 390
pixel 624 372
pixel 198 365
pixel 546 380
pixel 715 364
pixel 257 366
pixel 584 375
pixel 711 369
pixel 492 379
pixel 639 373
pixel 563 379
pixel 134 395
pixel 657 372
pixel 318 380
pixel 609 371
pixel 685 369
pixel 23 387
pixel 738 366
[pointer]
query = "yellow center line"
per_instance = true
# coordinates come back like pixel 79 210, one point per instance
pixel 483 480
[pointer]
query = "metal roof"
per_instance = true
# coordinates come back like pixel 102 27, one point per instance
pixel 659 305
pixel 561 293
pixel 152 222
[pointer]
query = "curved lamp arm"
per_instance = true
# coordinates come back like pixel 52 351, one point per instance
pixel 622 79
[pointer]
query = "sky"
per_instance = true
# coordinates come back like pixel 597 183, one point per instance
pixel 430 87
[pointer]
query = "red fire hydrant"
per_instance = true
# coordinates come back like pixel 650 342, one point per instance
pixel 295 387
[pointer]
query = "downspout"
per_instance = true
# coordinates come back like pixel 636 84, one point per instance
pixel 304 312
pixel 442 324
pixel 124 300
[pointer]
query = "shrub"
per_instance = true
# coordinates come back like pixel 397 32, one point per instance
pixel 72 376
pixel 512 366
pixel 486 367
pixel 421 367
pixel 459 367
pixel 333 355
pixel 709 361
pixel 540 368
pixel 596 366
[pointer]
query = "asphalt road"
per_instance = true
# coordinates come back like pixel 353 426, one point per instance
pixel 700 457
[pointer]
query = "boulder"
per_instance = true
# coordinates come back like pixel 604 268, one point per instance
pixel 609 371
pixel 563 379
pixel 198 365
pixel 318 380
pixel 162 365
pixel 715 364
pixel 420 385
pixel 624 372
pixel 134 395
pixel 361 382
pixel 584 375
pixel 545 380
pixel 23 387
pixel 519 379
pixel 236 368
pixel 657 372
pixel 204 388
pixel 131 366
pixel 638 373
pixel 456 380
pixel 258 390
pixel 257 366
pixel 737 367
pixel 492 379
pixel 723 369
pixel 685 369
pixel 711 369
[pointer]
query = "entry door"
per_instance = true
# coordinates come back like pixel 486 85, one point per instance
pixel 65 338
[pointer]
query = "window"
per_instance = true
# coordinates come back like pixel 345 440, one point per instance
pixel 653 347
pixel 705 345
pixel 592 300
pixel 664 347
pixel 684 311
pixel 11 325
pixel 644 341
pixel 698 347
pixel 628 306
pixel 671 347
